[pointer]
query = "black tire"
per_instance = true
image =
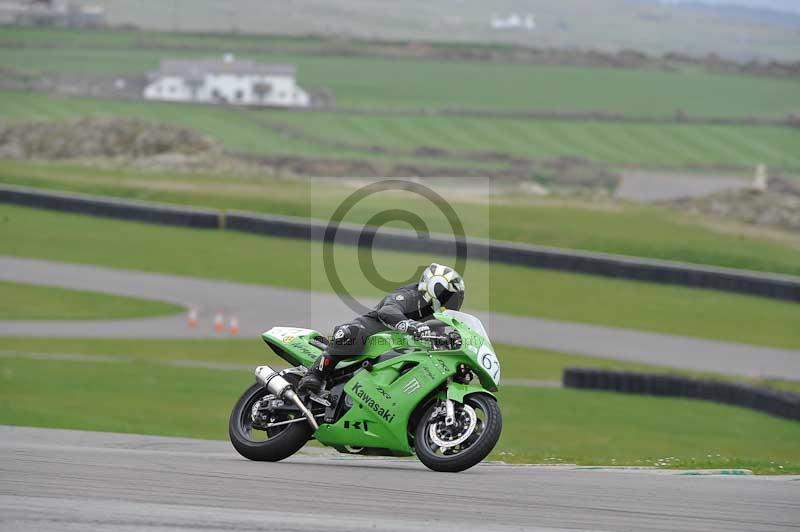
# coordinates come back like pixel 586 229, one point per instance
pixel 479 449
pixel 280 444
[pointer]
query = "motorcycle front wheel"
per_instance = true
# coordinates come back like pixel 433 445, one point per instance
pixel 264 444
pixel 468 440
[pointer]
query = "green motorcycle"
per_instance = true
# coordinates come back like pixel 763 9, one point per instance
pixel 402 396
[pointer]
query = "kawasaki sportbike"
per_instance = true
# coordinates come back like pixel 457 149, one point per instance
pixel 402 396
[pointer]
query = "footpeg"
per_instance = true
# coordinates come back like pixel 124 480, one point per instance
pixel 319 400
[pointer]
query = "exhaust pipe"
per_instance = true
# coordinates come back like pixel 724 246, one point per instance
pixel 279 386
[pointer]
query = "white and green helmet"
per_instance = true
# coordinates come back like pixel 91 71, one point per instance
pixel 442 286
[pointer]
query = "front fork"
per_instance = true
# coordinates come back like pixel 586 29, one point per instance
pixel 449 412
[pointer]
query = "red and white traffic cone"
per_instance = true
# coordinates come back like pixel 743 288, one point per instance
pixel 219 323
pixel 192 317
pixel 233 326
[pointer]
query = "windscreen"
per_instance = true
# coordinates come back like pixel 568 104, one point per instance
pixel 470 321
pixel 485 353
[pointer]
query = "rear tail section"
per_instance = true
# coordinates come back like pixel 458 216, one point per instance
pixel 295 345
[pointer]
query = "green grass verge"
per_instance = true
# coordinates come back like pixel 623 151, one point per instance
pixel 31 302
pixel 594 428
pixel 609 143
pixel 517 362
pixel 298 264
pixel 364 81
pixel 644 231
pixel 540 425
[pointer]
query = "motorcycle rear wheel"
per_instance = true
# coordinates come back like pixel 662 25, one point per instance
pixel 482 414
pixel 278 443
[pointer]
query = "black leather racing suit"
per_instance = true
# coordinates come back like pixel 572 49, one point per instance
pixel 395 311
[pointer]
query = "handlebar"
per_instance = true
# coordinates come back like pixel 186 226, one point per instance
pixel 433 337
pixel 447 341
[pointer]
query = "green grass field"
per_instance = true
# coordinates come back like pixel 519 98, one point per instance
pixel 362 81
pixel 284 262
pixel 657 145
pixel 238 132
pixel 236 129
pixel 372 82
pixel 540 425
pixel 31 302
pixel 615 144
pixel 636 230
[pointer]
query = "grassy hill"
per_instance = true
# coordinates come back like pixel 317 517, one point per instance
pixel 380 85
pixel 601 24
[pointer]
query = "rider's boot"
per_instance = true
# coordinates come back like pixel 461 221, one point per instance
pixel 317 374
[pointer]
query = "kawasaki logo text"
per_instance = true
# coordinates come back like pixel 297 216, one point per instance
pixel 385 413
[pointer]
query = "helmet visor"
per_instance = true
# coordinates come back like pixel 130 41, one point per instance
pixel 446 298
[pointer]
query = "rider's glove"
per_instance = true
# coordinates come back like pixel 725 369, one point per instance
pixel 417 329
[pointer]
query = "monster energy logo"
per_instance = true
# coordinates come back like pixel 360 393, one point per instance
pixel 385 413
pixel 412 386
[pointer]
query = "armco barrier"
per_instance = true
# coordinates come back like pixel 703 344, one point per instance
pixel 775 402
pixel 617 266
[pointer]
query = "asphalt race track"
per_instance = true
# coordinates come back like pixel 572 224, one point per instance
pixel 262 307
pixel 70 480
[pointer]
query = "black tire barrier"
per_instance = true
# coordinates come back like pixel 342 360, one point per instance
pixel 775 402
pixel 776 286
pixel 768 285
pixel 132 210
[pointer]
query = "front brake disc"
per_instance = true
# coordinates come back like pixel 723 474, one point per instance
pixel 444 439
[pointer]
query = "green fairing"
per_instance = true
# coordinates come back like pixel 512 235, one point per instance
pixel 457 392
pixel 384 401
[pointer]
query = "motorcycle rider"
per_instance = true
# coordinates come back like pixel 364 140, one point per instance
pixel 404 310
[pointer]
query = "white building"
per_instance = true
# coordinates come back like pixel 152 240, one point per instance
pixel 514 21
pixel 51 13
pixel 229 80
